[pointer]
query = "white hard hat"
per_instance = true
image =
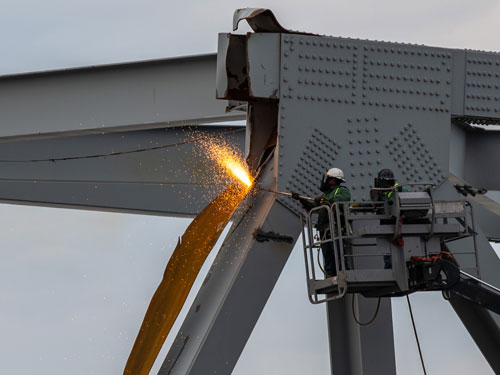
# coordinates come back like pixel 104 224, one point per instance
pixel 336 173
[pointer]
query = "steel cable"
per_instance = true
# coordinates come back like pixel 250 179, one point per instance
pixel 371 320
pixel 416 335
pixel 193 140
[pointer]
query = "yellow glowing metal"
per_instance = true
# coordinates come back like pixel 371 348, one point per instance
pixel 239 171
pixel 230 161
pixel 191 252
pixel 182 269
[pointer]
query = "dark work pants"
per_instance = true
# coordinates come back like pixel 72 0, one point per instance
pixel 387 262
pixel 329 257
pixel 387 258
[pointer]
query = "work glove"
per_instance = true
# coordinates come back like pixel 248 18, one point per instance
pixel 296 196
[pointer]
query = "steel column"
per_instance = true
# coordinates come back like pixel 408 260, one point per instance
pixel 361 349
pixel 482 325
pixel 235 290
pixel 482 328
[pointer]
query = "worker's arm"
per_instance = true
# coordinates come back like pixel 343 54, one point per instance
pixel 390 195
pixel 307 203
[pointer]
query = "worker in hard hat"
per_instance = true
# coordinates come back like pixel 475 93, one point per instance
pixel 385 180
pixel 333 191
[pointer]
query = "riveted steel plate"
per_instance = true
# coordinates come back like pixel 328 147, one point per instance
pixel 482 84
pixel 362 106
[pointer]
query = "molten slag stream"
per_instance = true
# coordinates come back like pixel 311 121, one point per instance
pixel 184 266
pixel 238 171
pixel 180 274
pixel 229 160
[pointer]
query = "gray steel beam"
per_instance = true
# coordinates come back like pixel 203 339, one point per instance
pixel 482 85
pixel 481 159
pixel 301 162
pixel 235 290
pixel 483 329
pixel 377 338
pixel 158 171
pixel 474 151
pixel 486 210
pixel 357 349
pixel 483 326
pixel 458 150
pixel 131 96
pixel 363 106
pixel 354 104
pixel 344 338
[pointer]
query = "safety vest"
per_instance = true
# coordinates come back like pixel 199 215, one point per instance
pixel 389 195
pixel 334 194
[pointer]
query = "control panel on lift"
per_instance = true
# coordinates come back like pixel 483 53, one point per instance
pixel 393 247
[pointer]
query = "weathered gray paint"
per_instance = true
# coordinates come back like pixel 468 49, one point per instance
pixel 362 106
pixel 482 325
pixel 235 290
pixel 458 150
pixel 355 349
pixel 357 105
pixel 486 211
pixel 143 95
pixel 264 65
pixel 482 84
pixel 166 181
pixel 354 104
pixel 481 160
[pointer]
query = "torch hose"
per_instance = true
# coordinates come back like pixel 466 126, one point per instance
pixel 283 193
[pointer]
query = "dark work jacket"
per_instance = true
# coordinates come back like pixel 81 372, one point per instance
pixel 388 195
pixel 339 193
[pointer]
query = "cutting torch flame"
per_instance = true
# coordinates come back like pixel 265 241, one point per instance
pixel 238 171
pixel 231 162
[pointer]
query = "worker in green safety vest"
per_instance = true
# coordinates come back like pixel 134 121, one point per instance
pixel 333 191
pixel 385 180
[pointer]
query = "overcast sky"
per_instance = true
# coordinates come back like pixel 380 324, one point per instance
pixel 74 285
pixel 53 34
